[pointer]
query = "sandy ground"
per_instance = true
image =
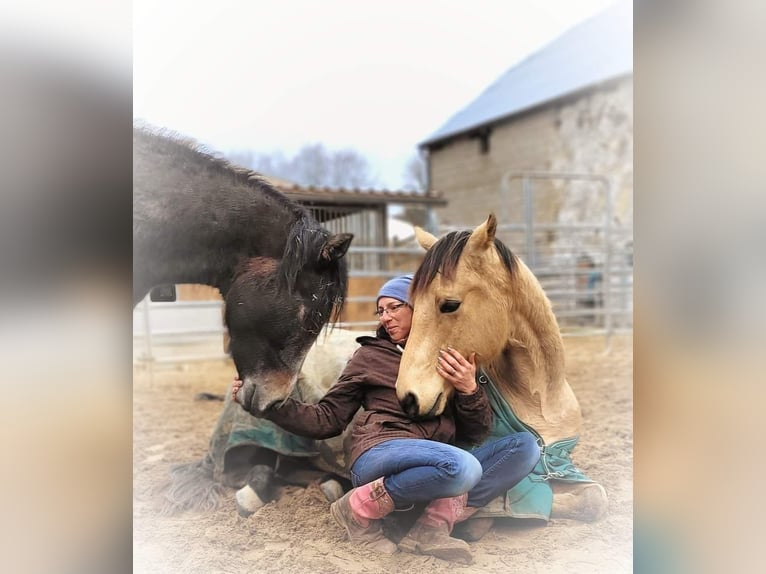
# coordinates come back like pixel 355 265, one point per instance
pixel 296 533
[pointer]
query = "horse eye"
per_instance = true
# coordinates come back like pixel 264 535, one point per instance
pixel 449 306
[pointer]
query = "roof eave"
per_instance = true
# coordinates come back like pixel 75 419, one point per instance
pixel 360 198
pixel 576 92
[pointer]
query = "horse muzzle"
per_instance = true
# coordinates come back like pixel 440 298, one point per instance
pixel 259 393
pixel 411 406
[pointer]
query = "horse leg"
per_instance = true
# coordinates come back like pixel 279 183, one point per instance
pixel 262 482
pixel 259 490
pixel 584 501
pixel 474 529
pixel 330 486
pixel 332 489
pixel 303 472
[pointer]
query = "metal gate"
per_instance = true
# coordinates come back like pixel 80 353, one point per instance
pixel 567 234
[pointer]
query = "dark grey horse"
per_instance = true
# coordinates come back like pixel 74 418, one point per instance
pixel 199 219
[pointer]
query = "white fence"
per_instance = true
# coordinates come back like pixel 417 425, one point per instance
pixel 180 331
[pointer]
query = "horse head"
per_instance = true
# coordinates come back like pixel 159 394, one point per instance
pixel 458 295
pixel 197 218
pixel 275 310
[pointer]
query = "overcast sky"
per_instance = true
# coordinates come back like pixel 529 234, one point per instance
pixel 378 77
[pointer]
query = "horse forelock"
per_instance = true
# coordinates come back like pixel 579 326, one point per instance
pixel 304 239
pixel 303 249
pixel 443 258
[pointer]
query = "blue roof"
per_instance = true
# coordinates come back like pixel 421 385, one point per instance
pixel 599 49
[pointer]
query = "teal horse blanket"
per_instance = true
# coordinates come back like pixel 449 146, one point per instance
pixel 533 496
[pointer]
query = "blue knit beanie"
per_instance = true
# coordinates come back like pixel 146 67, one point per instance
pixel 397 288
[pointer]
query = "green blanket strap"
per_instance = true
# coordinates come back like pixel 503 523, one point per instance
pixel 533 496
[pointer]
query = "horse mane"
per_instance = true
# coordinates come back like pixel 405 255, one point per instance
pixel 188 150
pixel 444 255
pixel 304 246
pixel 306 237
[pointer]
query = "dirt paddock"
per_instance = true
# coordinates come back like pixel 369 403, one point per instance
pixel 296 533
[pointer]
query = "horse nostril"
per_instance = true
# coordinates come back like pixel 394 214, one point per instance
pixel 410 405
pixel 245 396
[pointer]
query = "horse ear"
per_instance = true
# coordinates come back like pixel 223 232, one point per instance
pixel 335 247
pixel 425 239
pixel 484 235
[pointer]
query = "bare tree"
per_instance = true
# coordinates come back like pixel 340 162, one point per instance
pixel 242 157
pixel 268 164
pixel 349 169
pixel 313 165
pixel 416 174
pixel 310 166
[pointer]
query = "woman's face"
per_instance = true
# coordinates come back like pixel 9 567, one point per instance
pixel 396 318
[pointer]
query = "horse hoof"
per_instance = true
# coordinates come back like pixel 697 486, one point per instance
pixel 332 490
pixel 248 501
pixel 474 529
pixel 587 503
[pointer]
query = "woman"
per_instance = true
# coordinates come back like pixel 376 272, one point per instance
pixel 392 467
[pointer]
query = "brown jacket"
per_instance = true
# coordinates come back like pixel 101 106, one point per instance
pixel 368 381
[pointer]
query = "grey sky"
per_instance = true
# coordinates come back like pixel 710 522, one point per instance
pixel 378 77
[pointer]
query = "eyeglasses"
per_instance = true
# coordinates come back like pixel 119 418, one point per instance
pixel 392 310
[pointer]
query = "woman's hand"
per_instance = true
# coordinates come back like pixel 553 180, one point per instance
pixel 457 370
pixel 235 388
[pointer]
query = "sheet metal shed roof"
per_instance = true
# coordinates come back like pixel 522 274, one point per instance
pixel 312 194
pixel 599 49
pixel 339 196
pixel 337 202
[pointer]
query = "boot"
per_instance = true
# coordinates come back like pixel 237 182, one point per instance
pixel 360 510
pixel 431 533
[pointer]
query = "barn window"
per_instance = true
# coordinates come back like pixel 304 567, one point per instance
pixel 483 136
pixel 484 143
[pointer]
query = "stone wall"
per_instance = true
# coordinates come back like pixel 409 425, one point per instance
pixel 591 132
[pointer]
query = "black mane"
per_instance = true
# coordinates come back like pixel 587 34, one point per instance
pixel 188 151
pixel 304 249
pixel 444 256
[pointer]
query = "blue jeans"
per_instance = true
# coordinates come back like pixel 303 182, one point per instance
pixel 419 470
pixel 504 462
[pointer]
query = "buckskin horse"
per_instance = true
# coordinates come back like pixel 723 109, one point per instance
pixel 199 219
pixel 473 294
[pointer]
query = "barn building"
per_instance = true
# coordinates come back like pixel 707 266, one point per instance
pixel 548 147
